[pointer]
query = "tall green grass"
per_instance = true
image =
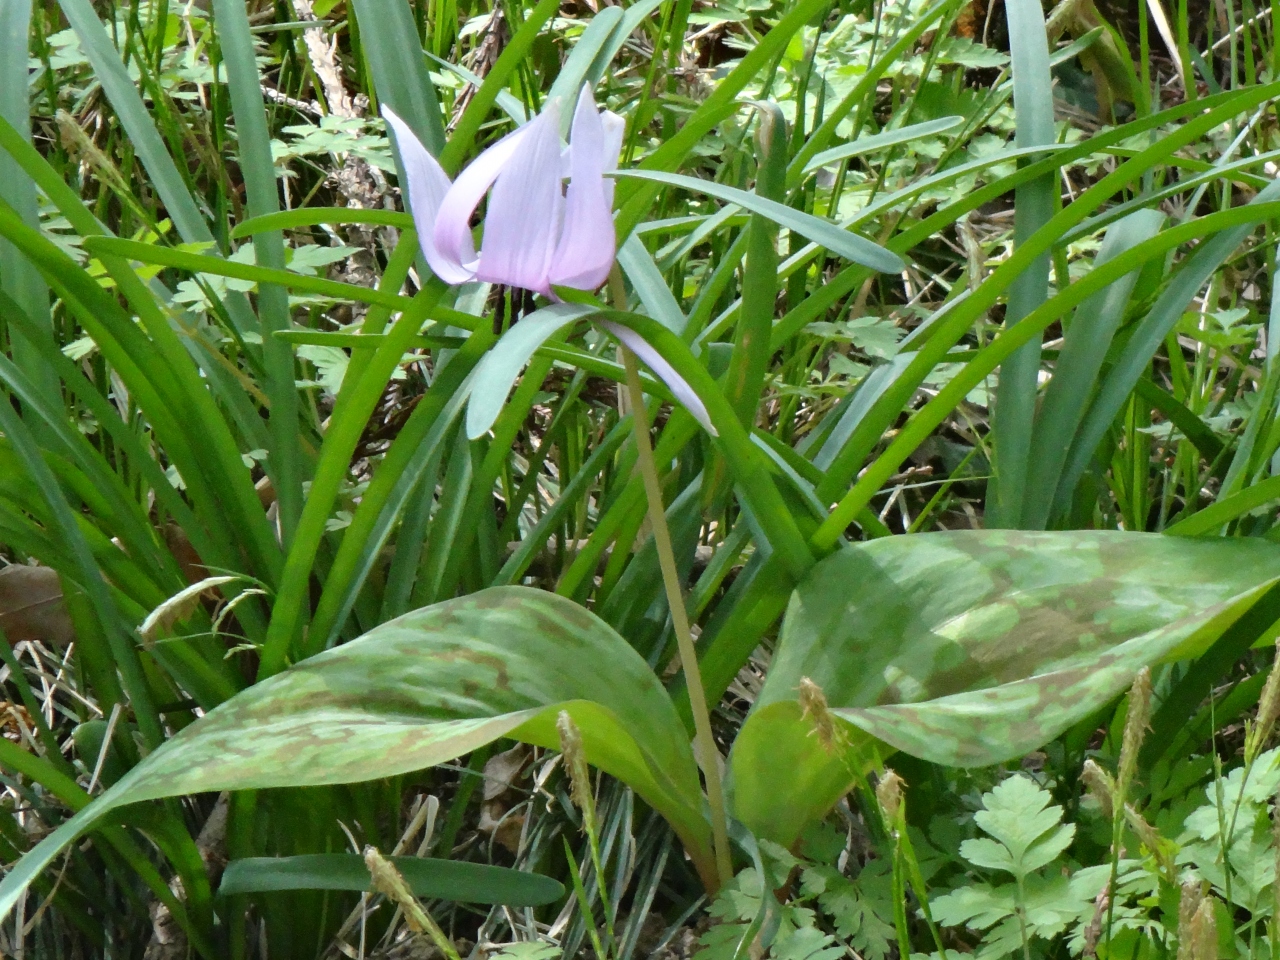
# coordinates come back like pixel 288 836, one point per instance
pixel 1076 342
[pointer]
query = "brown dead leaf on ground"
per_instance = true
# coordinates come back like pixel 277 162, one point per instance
pixel 32 608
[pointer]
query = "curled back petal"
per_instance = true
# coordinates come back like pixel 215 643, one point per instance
pixel 677 384
pixel 525 210
pixel 587 243
pixel 426 188
pixel 453 223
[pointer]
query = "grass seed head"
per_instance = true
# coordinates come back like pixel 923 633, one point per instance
pixel 889 796
pixel 1204 932
pixel 813 702
pixel 1260 730
pixel 389 882
pixel 1151 839
pixel 575 764
pixel 1101 786
pixel 1135 730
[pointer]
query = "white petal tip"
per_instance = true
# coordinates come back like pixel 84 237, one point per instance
pixel 679 387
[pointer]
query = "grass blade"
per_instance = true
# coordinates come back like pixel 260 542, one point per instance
pixel 1014 414
pixel 284 458
pixel 1079 364
pixel 389 38
pixel 18 277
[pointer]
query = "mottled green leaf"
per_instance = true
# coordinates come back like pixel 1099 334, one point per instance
pixel 778 736
pixel 419 690
pixel 974 647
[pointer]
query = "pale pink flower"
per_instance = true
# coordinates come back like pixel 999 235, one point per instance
pixel 537 233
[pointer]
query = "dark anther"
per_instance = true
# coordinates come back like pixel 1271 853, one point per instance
pixel 522 304
pixel 500 312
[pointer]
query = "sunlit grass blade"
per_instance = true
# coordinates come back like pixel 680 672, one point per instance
pixel 1150 333
pixel 1076 374
pixel 866 85
pixel 634 199
pixel 840 242
pixel 136 120
pixel 356 401
pixel 1003 346
pixel 389 39
pixel 960 316
pixel 165 390
pixel 463 138
pixel 1015 402
pixel 216 266
pixel 881 141
pixel 18 277
pixel 285 464
pixel 407 460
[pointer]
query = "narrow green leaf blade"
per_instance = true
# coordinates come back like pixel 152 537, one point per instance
pixel 1079 362
pixel 428 878
pixel 577 65
pixel 497 372
pixel 109 70
pixel 513 54
pixel 1014 413
pixel 391 45
pixel 285 463
pixel 840 242
pixel 882 141
pixel 20 279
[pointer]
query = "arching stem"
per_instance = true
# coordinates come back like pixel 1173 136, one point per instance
pixel 704 742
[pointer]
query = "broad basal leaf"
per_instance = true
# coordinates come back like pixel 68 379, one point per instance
pixel 419 690
pixel 971 648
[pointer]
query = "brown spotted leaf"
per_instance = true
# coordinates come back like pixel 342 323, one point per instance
pixel 973 648
pixel 422 689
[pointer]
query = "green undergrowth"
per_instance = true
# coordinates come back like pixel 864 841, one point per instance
pixel 958 349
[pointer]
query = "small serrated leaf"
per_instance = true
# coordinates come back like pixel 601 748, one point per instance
pixel 1019 816
pixel 1048 848
pixel 987 854
pixel 806 943
pixel 977 906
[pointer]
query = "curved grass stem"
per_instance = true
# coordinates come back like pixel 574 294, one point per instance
pixel 704 742
pixel 708 756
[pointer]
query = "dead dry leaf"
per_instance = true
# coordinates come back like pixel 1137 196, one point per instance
pixel 178 608
pixel 32 608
